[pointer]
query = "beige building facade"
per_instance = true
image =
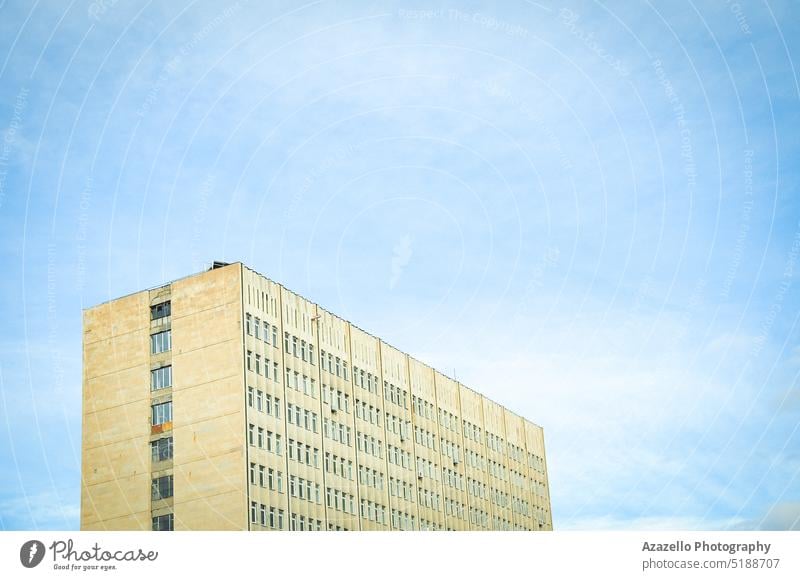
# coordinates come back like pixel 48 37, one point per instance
pixel 224 401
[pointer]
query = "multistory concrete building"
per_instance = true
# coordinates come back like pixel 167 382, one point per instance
pixel 224 401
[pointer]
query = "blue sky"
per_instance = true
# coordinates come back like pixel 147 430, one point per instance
pixel 587 211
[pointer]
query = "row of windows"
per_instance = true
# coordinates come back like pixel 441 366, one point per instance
pixel 448 420
pixel 298 348
pixel 303 453
pixel 536 462
pixel 373 512
pixel 161 378
pixel 517 479
pixel 368 412
pixel 264 439
pixel 394 394
pixel 397 426
pixel 269 369
pixel 422 408
pixel 340 501
pixel 453 508
pixel 478 517
pixel 370 477
pixel 453 478
pixel 369 444
pixel 475 459
pixel 161 342
pixel 253 326
pixel 399 456
pixel 267 516
pixel 333 365
pixel 337 400
pixel 304 489
pixel 472 431
pixel 520 506
pixel 495 442
pixel 501 523
pixel 266 477
pixel 338 465
pixel 402 520
pixel 539 488
pixel 301 523
pixel 497 469
pixel 161 449
pixel 476 488
pixel 296 415
pixel 516 453
pixel 425 525
pixel 424 437
pixel 264 402
pixel 499 497
pixel 400 488
pixel 451 450
pixel 365 380
pixel 301 383
pixel 428 499
pixel 426 468
pixel 337 431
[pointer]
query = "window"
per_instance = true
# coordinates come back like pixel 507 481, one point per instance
pixel 257 328
pixel 162 413
pixel 249 324
pixel 158 311
pixel 161 449
pixel 163 523
pixel 162 487
pixel 161 342
pixel 161 378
